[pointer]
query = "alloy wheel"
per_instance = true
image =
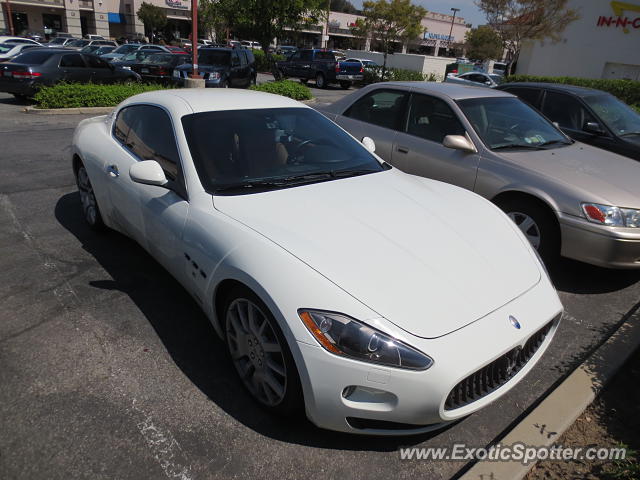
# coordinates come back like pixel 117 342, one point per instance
pixel 87 197
pixel 528 226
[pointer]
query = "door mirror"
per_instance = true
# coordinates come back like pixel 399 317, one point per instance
pixel 593 127
pixel 369 144
pixel 459 142
pixel 148 172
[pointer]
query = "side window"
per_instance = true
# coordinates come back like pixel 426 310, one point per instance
pixel 151 137
pixel 295 56
pixel 235 59
pixel 432 119
pixel 95 62
pixel 72 60
pixel 250 57
pixel 474 77
pixel 384 108
pixel 566 110
pixel 306 55
pixel 529 95
pixel 122 125
pixel 243 58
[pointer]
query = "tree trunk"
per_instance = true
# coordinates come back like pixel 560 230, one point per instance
pixel 270 60
pixel 384 65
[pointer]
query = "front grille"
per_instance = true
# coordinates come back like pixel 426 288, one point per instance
pixel 497 373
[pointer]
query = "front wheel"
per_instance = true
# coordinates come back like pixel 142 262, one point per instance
pixel 537 223
pixel 260 353
pixel 90 208
pixel 345 85
pixel 320 81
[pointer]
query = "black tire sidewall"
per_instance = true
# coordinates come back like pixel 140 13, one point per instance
pixel 98 225
pixel 320 81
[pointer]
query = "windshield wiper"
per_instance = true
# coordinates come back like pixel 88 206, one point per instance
pixel 517 145
pixel 273 183
pixel 555 142
pixel 628 134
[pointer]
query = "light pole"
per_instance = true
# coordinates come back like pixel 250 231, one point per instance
pixel 194 38
pixel 453 19
pixel 9 18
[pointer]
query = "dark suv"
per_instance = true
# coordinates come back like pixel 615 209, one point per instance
pixel 585 114
pixel 221 67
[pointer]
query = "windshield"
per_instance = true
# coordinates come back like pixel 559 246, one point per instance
pixel 6 48
pixel 617 115
pixel 138 55
pixel 58 41
pixel 496 78
pixel 503 122
pixel 78 43
pixel 158 58
pixel 126 48
pixel 245 151
pixel 214 57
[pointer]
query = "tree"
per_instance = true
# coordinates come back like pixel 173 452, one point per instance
pixel 214 16
pixel 483 43
pixel 390 22
pixel 344 6
pixel 264 20
pixel 518 20
pixel 154 18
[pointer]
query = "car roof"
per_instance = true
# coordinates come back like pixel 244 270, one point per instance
pixel 196 100
pixel 451 90
pixel 559 87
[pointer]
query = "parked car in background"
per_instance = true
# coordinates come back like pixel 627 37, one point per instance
pixel 251 44
pixel 131 59
pixel 221 67
pixel 121 51
pixel 286 50
pixel 91 36
pixel 585 114
pixel 82 43
pixel 568 198
pixel 321 66
pixel 60 41
pixel 366 63
pixel 47 66
pixel 8 39
pixel 11 50
pixel 159 67
pixel 174 49
pixel 476 79
pixel 98 49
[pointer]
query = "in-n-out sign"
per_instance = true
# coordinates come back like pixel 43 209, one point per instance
pixel 619 19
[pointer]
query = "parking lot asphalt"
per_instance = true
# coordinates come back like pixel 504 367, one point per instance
pixel 109 370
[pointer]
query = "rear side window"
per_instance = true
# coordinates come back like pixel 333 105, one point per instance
pixel 72 60
pixel 95 62
pixel 384 108
pixel 529 95
pixel 33 58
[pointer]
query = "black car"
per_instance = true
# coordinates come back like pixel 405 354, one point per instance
pixel 585 114
pixel 130 59
pixel 159 66
pixel 47 66
pixel 221 67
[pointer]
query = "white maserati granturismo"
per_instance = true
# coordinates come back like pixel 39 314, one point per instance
pixel 377 301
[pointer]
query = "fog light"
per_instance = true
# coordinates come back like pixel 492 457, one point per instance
pixel 367 398
pixel 346 393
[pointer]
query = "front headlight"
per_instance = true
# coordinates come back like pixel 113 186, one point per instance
pixel 612 216
pixel 214 76
pixel 343 335
pixel 176 73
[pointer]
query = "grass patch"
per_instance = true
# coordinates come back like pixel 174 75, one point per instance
pixel 70 95
pixel 286 88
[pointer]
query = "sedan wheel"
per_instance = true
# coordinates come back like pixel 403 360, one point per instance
pixel 528 226
pixel 88 200
pixel 260 354
pixel 320 82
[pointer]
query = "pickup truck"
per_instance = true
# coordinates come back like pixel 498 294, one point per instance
pixel 322 66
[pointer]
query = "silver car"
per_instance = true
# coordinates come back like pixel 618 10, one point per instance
pixel 476 79
pixel 568 198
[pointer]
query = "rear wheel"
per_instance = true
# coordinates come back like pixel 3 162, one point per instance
pixel 90 208
pixel 260 353
pixel 320 81
pixel 345 85
pixel 20 96
pixel 537 223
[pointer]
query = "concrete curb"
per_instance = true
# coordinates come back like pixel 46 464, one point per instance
pixel 69 111
pixel 557 412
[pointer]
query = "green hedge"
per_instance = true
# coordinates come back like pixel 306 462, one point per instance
pixel 626 90
pixel 373 75
pixel 261 60
pixel 67 95
pixel 287 88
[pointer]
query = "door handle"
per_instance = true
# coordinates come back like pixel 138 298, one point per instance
pixel 402 149
pixel 112 170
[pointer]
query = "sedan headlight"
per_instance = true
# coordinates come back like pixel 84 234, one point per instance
pixel 345 336
pixel 612 216
pixel 214 76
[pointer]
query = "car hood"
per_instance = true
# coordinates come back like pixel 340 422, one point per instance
pixel 590 173
pixel 427 256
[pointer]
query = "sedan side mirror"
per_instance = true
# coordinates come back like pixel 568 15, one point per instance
pixel 459 142
pixel 369 144
pixel 148 172
pixel 594 128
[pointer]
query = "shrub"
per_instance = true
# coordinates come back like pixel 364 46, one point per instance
pixel 261 60
pixel 287 88
pixel 373 75
pixel 67 95
pixel 626 90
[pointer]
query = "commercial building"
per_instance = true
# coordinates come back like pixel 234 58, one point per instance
pixel 603 43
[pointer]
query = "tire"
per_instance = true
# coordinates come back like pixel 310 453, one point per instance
pixel 345 85
pixel 320 81
pixel 90 209
pixel 282 394
pixel 224 84
pixel 537 223
pixel 20 96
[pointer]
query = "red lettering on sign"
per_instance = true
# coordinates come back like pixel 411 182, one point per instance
pixel 636 23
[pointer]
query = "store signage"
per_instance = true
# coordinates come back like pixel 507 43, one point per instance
pixel 176 4
pixel 620 19
pixel 437 36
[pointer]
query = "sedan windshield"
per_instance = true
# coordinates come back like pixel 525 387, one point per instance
pixel 159 58
pixel 617 115
pixel 246 151
pixel 78 43
pixel 137 56
pixel 126 49
pixel 58 41
pixel 505 123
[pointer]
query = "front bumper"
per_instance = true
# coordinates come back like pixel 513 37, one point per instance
pixel 609 247
pixel 392 401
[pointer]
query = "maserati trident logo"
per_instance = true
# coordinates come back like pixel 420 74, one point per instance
pixel 514 321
